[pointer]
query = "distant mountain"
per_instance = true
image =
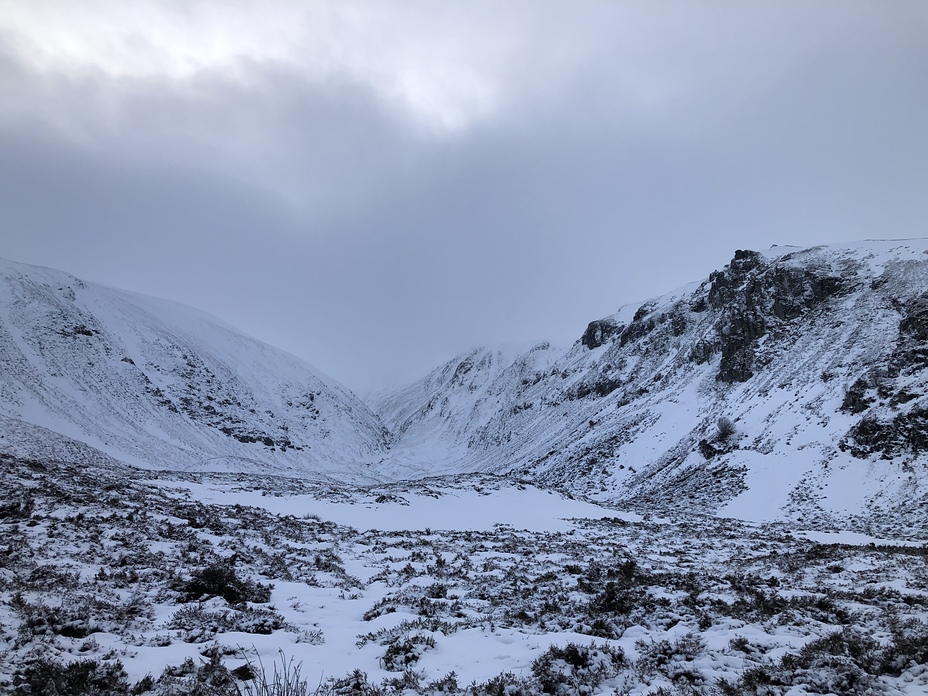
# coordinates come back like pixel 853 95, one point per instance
pixel 159 385
pixel 793 383
pixel 445 421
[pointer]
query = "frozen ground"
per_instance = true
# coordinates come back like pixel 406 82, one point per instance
pixel 171 583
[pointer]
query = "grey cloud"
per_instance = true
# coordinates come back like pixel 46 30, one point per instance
pixel 315 213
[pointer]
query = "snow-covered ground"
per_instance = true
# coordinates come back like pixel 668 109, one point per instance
pixel 441 508
pixel 504 584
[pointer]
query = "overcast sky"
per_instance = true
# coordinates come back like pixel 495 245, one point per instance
pixel 377 186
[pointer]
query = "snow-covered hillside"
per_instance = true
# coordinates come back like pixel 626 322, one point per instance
pixel 788 385
pixel 816 357
pixel 159 385
pixel 436 422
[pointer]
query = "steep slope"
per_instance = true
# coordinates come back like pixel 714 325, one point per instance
pixel 159 385
pixel 792 383
pixel 436 422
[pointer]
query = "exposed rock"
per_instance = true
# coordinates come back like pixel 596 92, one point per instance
pixel 856 399
pixel 750 294
pixel 886 429
pixel 702 352
pixel 598 333
pixel 915 323
pixel 639 328
pixel 911 351
pixel 737 333
pixel 906 433
pixel 677 323
pixel 462 369
pixel 599 387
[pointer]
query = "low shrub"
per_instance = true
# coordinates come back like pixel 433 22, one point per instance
pixel 200 624
pixel 221 580
pixel 576 668
pixel 47 677
pixel 673 660
pixel 844 662
pixel 405 652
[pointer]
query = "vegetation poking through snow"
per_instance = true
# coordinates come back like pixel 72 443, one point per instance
pixel 105 577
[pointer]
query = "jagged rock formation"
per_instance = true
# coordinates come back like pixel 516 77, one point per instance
pixel 752 297
pixel 817 357
pixel 163 386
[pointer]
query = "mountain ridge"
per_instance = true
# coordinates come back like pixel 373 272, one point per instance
pixel 811 360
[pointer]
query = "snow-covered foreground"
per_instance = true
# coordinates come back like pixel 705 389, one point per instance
pixel 391 589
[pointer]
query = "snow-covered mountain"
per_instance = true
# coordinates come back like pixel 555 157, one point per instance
pixel 792 383
pixel 789 384
pixel 151 383
pixel 438 423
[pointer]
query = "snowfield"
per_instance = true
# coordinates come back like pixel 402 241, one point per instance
pixel 416 506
